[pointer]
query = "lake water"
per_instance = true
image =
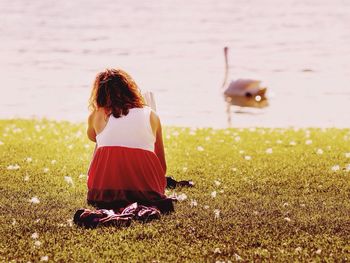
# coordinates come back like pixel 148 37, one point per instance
pixel 51 51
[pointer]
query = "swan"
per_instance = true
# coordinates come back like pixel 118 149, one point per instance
pixel 242 92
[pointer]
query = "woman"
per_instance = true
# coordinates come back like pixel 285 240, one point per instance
pixel 129 163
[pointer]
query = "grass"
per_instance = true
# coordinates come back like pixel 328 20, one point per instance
pixel 288 202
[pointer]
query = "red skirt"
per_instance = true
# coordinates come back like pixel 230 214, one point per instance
pixel 119 176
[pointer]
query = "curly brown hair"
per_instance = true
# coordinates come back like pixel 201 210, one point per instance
pixel 116 92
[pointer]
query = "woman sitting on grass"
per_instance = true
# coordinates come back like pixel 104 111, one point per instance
pixel 128 164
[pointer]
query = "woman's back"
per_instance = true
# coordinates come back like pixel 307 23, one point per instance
pixel 133 130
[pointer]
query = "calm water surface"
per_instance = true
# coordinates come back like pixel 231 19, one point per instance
pixel 51 51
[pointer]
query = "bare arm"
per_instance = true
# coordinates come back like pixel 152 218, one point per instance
pixel 91 133
pixel 158 146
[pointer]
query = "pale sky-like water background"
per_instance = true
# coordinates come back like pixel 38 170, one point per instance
pixel 50 52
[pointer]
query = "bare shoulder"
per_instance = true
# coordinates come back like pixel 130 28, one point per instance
pixel 97 117
pixel 91 117
pixel 100 115
pixel 154 117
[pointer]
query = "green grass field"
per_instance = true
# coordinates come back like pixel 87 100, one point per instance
pixel 260 195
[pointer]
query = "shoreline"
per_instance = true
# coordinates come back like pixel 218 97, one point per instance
pixel 292 127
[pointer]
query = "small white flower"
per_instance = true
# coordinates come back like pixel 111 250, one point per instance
pixel 192 133
pixel 237 257
pixel 86 146
pixel 14 222
pixel 287 219
pixel 13 167
pixel 78 134
pixel 292 143
pixel 207 138
pixel 1 143
pixel 318 251
pixel 298 249
pixel 200 149
pixel 193 203
pixel 217 183
pixel 319 151
pixel 184 169
pixel 217 251
pixel 269 150
pixel 247 157
pixel 44 258
pixel 302 205
pixel 181 197
pixel 216 213
pixel 206 207
pixel 34 200
pixel 69 222
pixel 53 162
pixel 37 243
pixel 348 168
pixel 213 194
pixel 29 159
pixel 46 170
pixel 335 168
pixel 69 180
pixel 221 191
pixel 234 169
pixel 278 141
pixel 37 220
pixel 82 176
pixel 241 152
pixel 285 204
pixel 17 130
pixel 308 142
pixel 35 235
pixel 237 138
pixel 26 178
pixel 347 155
pixel 70 147
pixel 176 133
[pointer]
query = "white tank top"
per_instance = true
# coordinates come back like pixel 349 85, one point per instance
pixel 133 130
